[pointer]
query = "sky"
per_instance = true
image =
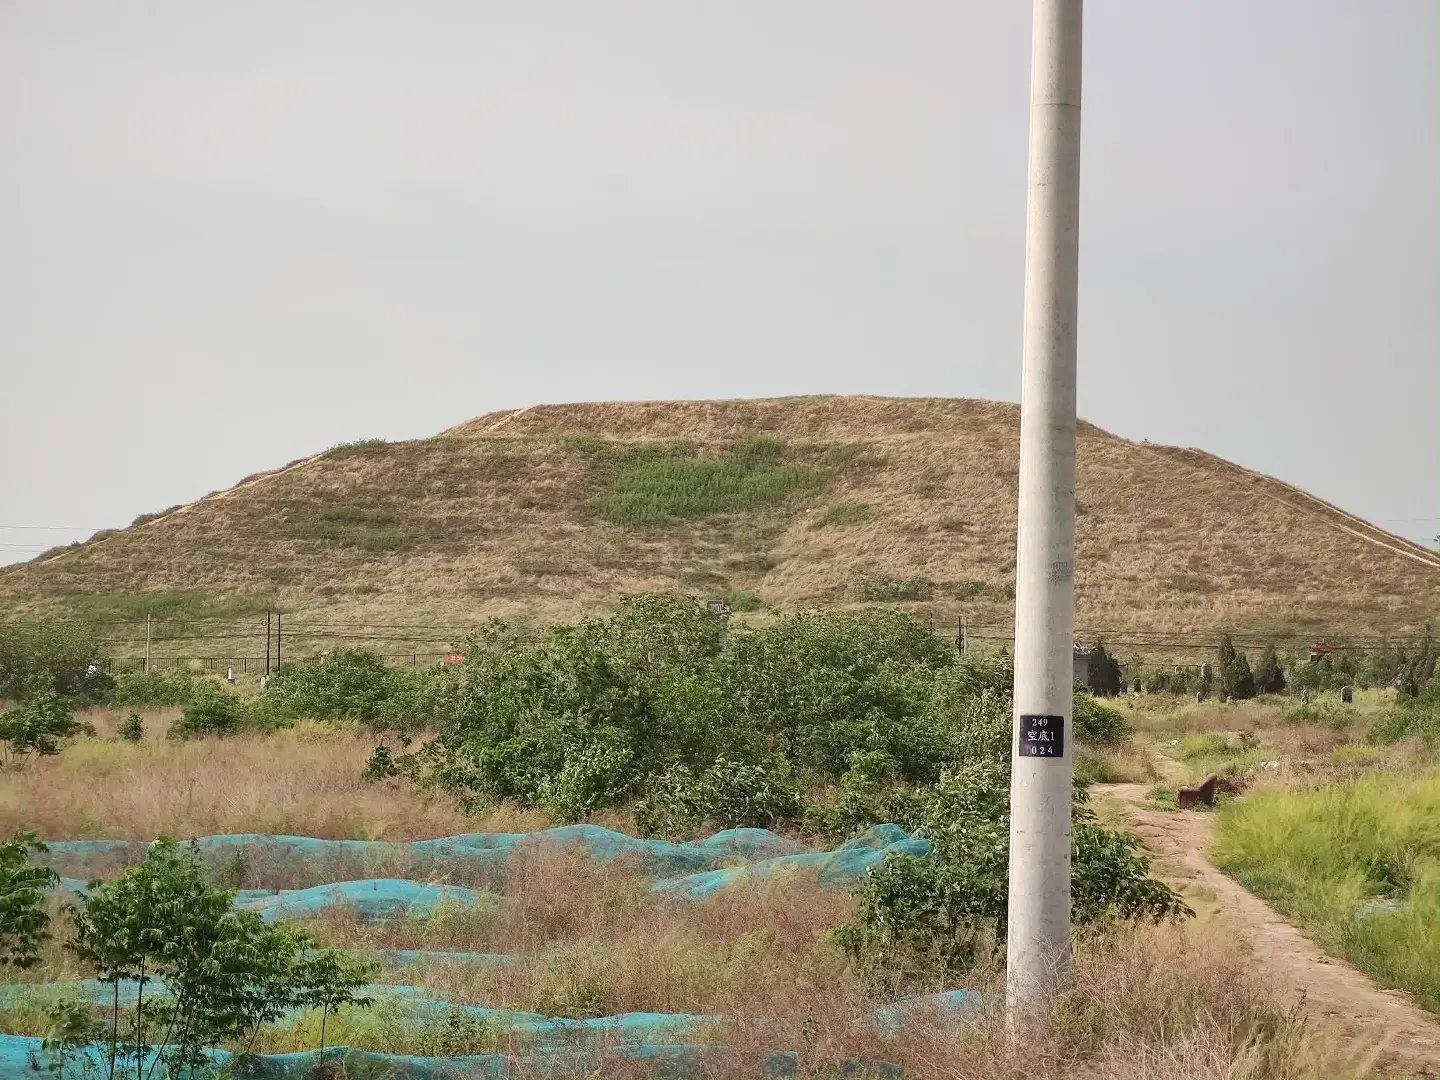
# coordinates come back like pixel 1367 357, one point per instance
pixel 232 235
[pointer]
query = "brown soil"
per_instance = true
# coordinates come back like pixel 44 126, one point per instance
pixel 1382 1031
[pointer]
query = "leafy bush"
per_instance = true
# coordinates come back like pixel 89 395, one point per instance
pixel 132 728
pixel 213 709
pixel 655 703
pixel 871 791
pixel 347 684
pixel 50 655
pixel 40 727
pixel 1096 724
pixel 934 916
pixel 624 699
pixel 1328 712
pixel 24 920
pixel 1413 717
pixel 152 689
pixel 727 795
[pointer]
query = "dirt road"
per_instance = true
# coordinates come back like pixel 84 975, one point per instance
pixel 1388 1034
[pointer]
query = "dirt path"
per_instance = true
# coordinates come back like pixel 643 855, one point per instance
pixel 1389 1034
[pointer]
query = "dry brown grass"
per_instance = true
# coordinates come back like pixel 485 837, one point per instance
pixel 497 519
pixel 1152 1002
pixel 304 781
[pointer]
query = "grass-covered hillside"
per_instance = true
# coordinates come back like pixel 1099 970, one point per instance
pixel 549 512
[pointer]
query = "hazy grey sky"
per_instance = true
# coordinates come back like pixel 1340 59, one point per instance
pixel 232 234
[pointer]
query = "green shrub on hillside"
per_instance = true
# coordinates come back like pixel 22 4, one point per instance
pixel 659 482
pixel 880 588
pixel 847 513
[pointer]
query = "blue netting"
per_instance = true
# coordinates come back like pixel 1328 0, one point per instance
pixel 846 865
pixel 428 958
pixel 387 898
pixel 375 899
pixel 892 1018
pixel 470 853
pixel 23 1058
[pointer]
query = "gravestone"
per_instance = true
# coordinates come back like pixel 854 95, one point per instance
pixel 1347 694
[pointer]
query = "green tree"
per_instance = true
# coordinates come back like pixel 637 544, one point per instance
pixel 48 654
pixel 1239 682
pixel 132 728
pixel 1269 674
pixel 1104 671
pixel 331 980
pixel 1224 657
pixel 1232 671
pixel 70 1030
pixel 24 922
pixel 221 974
pixel 39 727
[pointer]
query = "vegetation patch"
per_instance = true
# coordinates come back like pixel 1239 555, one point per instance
pixel 145 518
pixel 353 527
pixel 359 448
pixel 176 604
pixel 847 513
pixel 881 588
pixel 657 483
pixel 1356 864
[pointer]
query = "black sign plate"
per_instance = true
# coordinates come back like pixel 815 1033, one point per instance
pixel 1042 736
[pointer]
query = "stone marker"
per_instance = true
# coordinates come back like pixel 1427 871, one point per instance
pixel 1203 793
pixel 1347 694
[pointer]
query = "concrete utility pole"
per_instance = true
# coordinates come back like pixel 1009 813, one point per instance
pixel 147 644
pixel 1038 948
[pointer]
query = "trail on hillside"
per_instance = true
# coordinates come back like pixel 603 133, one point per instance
pixel 1387 1032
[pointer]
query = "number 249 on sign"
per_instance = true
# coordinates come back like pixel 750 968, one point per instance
pixel 1042 736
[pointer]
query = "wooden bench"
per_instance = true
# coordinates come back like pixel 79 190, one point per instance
pixel 1204 792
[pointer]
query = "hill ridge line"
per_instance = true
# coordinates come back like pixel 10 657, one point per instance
pixel 1410 549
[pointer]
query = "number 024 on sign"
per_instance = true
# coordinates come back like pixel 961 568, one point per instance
pixel 1042 736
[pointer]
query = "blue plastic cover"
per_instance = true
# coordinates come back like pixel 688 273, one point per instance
pixel 23 1058
pixel 387 898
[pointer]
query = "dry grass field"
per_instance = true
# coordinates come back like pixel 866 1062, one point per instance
pixel 544 513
